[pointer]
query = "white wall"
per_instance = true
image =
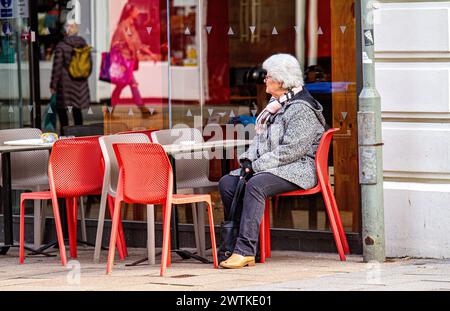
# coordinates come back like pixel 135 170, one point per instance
pixel 413 78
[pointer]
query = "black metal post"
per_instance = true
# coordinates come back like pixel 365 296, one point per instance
pixel 6 203
pixel 34 66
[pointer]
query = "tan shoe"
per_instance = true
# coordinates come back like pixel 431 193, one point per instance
pixel 238 261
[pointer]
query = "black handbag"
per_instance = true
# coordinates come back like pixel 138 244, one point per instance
pixel 229 231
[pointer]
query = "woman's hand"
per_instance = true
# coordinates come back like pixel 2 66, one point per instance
pixel 246 166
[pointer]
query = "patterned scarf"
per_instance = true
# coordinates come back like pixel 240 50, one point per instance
pixel 273 108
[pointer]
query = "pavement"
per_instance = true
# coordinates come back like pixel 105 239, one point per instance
pixel 285 271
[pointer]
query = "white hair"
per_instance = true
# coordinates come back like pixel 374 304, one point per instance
pixel 71 27
pixel 284 68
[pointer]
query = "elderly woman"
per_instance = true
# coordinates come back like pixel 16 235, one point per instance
pixel 281 157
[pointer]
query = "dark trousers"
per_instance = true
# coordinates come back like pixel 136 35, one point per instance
pixel 64 118
pixel 258 189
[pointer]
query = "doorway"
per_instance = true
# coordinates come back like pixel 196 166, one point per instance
pixel 17 65
pixel 322 36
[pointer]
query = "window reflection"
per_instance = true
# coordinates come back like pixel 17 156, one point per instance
pixel 192 64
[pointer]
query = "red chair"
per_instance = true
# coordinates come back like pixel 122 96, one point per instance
pixel 75 169
pixel 324 187
pixel 146 178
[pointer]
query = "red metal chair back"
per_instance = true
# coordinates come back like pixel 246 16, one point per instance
pixel 75 167
pixel 321 164
pixel 145 173
pixel 322 154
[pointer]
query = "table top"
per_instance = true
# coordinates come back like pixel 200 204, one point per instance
pixel 218 144
pixel 9 149
pixel 170 149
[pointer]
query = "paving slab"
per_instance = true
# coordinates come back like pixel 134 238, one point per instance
pixel 285 271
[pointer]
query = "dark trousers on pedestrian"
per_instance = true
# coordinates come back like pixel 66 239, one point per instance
pixel 64 118
pixel 251 209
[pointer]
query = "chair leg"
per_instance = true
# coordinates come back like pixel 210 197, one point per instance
pixel 22 232
pixel 196 231
pixel 83 221
pixel 262 241
pixel 59 232
pixel 75 218
pixel 169 259
pixel 267 227
pixel 37 224
pixel 333 224
pixel 202 222
pixel 71 228
pixel 121 234
pixel 212 234
pixel 43 218
pixel 100 225
pixel 120 247
pixel 201 229
pixel 337 216
pixel 113 239
pixel 166 238
pixel 151 234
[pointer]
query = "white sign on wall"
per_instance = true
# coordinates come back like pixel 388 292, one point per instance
pixel 13 9
pixel 21 8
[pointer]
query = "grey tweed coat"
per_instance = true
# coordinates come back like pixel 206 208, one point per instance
pixel 287 147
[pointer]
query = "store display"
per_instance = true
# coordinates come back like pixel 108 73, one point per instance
pixel 7 50
pixel 183 36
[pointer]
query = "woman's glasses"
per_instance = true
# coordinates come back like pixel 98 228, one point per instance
pixel 267 78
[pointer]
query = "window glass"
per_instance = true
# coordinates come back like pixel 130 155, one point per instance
pixel 194 63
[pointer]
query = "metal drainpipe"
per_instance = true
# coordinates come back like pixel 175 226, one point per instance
pixel 370 145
